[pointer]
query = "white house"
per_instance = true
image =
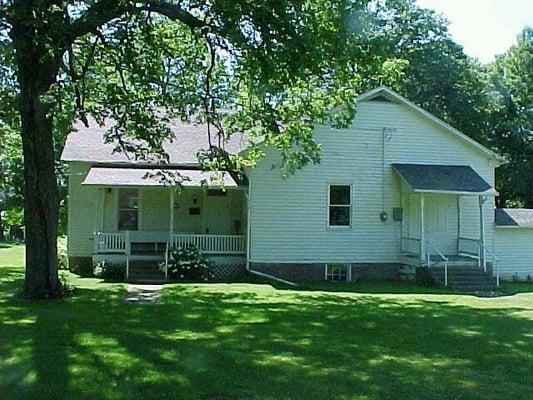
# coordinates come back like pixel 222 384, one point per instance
pixel 398 188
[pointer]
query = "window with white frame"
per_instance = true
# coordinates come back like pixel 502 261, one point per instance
pixel 128 209
pixel 336 272
pixel 340 205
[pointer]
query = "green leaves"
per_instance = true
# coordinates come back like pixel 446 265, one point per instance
pixel 511 76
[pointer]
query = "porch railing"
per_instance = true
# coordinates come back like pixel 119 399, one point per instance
pixel 410 246
pixel 110 242
pixel 443 258
pixel 211 244
pixel 120 243
pixel 473 248
pixel 469 247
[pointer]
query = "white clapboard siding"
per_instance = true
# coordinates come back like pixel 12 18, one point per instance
pixel 83 211
pixel 514 246
pixel 289 216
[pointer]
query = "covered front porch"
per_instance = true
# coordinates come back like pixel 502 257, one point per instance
pixel 141 216
pixel 444 216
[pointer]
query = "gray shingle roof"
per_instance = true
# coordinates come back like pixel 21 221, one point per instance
pixel 447 178
pixel 87 144
pixel 149 177
pixel 518 217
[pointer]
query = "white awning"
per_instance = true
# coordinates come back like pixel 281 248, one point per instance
pixel 157 177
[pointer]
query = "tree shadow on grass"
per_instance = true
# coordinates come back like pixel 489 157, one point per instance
pixel 238 342
pixel 391 287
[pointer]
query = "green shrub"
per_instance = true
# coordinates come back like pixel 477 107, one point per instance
pixel 111 271
pixel 187 264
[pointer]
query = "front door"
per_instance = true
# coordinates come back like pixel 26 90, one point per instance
pixel 217 212
pixel 441 222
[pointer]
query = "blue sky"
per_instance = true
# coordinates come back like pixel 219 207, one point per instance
pixel 484 28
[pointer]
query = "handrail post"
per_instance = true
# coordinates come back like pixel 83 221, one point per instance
pixel 95 239
pixel 497 265
pixel 166 262
pixel 128 251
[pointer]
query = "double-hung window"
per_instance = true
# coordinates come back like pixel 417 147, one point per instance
pixel 340 205
pixel 337 272
pixel 128 209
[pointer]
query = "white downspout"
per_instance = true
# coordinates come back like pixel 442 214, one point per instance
pixel 249 241
pixel 248 224
pixel 170 230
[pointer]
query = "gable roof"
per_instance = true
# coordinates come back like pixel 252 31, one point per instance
pixel 443 178
pixel 87 144
pixel 384 91
pixel 514 217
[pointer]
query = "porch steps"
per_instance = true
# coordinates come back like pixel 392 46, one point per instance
pixel 466 278
pixel 145 271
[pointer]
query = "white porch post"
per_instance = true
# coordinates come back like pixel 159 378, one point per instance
pixel 482 232
pixel 171 228
pixel 128 252
pixel 170 231
pixel 458 223
pixel 248 224
pixel 422 229
pixel 99 210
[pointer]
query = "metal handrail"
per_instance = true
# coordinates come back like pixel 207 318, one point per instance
pixel 407 238
pixel 444 258
pixel 465 238
pixel 166 256
pixel 495 260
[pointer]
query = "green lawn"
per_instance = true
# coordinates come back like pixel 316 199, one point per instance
pixel 255 341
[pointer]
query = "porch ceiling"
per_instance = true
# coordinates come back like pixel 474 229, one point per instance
pixel 459 179
pixel 156 177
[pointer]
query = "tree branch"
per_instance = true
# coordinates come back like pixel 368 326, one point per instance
pixel 174 12
pixel 105 11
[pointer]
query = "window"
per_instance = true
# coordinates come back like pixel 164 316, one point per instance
pixel 340 205
pixel 128 210
pixel 336 272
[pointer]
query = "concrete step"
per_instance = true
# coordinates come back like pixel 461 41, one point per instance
pixel 144 268
pixel 146 276
pixel 146 271
pixel 466 278
pixel 461 275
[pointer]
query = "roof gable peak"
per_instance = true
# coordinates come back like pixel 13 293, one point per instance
pixel 385 91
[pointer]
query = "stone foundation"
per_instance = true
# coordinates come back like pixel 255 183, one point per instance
pixel 361 272
pixel 370 272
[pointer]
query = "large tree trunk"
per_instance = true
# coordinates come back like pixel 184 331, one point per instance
pixel 41 205
pixel 36 72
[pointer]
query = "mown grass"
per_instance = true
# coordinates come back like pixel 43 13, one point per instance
pixel 256 341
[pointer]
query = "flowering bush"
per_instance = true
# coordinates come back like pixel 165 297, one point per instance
pixel 187 264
